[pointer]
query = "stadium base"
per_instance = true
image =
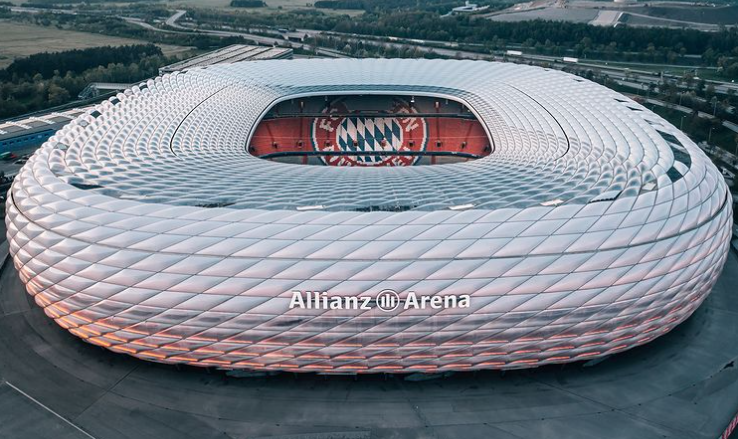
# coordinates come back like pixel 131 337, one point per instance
pixel 682 385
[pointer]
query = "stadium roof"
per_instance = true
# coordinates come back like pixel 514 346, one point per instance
pixel 557 139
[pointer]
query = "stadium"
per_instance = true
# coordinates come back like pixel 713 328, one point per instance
pixel 192 218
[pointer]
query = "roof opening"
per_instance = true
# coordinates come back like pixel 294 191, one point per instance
pixel 370 130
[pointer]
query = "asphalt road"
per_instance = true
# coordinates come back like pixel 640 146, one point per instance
pixel 259 39
pixel 52 385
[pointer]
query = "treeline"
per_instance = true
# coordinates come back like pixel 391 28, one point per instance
pixel 61 3
pixel 385 5
pixel 76 61
pixel 248 4
pixel 31 88
pixel 340 4
pixel 469 29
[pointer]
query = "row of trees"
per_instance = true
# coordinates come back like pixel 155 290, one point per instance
pixel 384 5
pixel 248 4
pixel 76 61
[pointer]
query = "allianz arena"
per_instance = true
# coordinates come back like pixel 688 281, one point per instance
pixel 211 217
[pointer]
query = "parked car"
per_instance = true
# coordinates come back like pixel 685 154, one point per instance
pixel 7 156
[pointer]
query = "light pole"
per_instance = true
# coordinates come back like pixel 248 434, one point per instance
pixel 681 123
pixel 709 135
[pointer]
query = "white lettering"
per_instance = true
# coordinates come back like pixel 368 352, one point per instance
pixel 321 300
pixel 412 301
pixel 296 301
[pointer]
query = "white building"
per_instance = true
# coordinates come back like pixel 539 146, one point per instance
pixel 145 225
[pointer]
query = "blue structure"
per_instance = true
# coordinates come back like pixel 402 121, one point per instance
pixel 25 140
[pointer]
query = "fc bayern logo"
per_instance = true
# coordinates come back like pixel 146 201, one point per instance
pixel 343 131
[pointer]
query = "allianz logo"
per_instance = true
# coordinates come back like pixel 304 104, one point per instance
pixel 386 300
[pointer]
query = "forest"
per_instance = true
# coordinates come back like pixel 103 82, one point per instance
pixel 76 61
pixel 49 79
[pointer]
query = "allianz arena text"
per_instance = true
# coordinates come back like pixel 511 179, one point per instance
pixel 369 216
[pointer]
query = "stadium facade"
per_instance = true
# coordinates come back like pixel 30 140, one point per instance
pixel 577 225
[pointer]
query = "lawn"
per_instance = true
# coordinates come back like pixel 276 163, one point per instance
pixel 19 39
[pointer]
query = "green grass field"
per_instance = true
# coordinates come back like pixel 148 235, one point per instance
pixel 19 39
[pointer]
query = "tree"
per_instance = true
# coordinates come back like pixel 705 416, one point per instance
pixel 57 95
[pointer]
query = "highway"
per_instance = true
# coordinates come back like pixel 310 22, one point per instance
pixel 701 114
pixel 260 39
pixel 446 49
pixel 623 73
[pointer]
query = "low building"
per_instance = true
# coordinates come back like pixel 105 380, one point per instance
pixel 230 54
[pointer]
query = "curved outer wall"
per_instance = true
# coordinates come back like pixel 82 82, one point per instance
pixel 590 231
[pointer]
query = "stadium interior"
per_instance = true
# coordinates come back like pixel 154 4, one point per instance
pixel 396 130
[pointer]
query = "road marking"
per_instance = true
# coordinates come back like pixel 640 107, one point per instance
pixel 50 411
